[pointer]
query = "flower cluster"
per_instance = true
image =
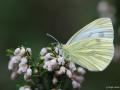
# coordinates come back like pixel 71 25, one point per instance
pixel 18 63
pixel 55 62
pixel 51 62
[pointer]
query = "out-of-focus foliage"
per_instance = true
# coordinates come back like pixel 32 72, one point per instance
pixel 27 22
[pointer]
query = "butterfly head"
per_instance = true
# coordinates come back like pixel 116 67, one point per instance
pixel 58 44
pixel 61 47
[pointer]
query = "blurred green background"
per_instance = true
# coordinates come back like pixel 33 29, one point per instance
pixel 27 22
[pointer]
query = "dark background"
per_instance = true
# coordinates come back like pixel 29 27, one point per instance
pixel 27 22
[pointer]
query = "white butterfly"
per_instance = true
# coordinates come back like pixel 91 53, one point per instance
pixel 92 46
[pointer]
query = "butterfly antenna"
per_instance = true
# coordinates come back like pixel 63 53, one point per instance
pixel 49 35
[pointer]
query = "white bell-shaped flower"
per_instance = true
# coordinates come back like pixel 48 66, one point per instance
pixel 81 70
pixel 75 84
pixel 29 50
pixel 22 52
pixel 72 66
pixel 53 62
pixel 69 73
pixel 29 72
pixel 62 69
pixel 54 81
pixel 43 51
pixel 23 61
pixel 17 51
pixel 61 60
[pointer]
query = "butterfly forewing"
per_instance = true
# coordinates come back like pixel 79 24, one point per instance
pixel 101 28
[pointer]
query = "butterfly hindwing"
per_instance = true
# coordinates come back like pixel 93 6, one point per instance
pixel 93 54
